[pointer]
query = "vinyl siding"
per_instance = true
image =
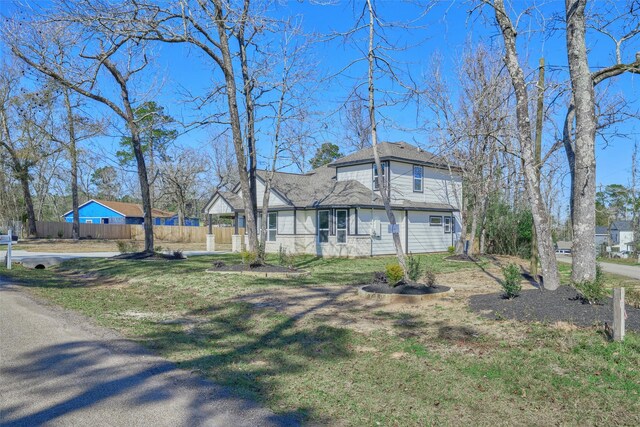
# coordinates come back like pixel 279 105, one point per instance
pixel 362 173
pixel 438 185
pixel 382 243
pixel 285 222
pixel 424 237
pixel 220 207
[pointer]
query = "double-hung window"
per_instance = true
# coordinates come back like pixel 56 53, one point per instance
pixel 417 179
pixel 273 226
pixel 341 226
pixel 323 226
pixel 375 175
pixel 447 224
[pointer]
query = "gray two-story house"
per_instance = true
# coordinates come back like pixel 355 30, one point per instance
pixel 336 210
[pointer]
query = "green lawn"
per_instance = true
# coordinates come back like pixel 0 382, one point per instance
pixel 436 364
pixel 628 261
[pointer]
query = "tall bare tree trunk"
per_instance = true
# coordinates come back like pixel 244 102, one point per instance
pixel 73 155
pixel 584 177
pixel 532 183
pixel 535 259
pixel 248 194
pixel 383 183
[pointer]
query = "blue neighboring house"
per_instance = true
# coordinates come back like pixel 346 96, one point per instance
pixel 107 212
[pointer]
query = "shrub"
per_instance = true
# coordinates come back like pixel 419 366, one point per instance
pixel 285 259
pixel 248 257
pixel 451 250
pixel 511 283
pixel 394 273
pixel 413 268
pixel 177 254
pixel 592 291
pixel 429 277
pixel 218 264
pixel 125 246
pixel 159 249
pixel 60 234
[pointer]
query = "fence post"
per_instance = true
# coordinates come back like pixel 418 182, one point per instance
pixel 10 232
pixel 619 314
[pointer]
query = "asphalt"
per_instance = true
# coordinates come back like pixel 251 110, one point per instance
pixel 609 267
pixel 57 368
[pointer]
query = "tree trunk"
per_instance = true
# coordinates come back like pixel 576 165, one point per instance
pixel 532 183
pixel 23 176
pixel 73 155
pixel 383 183
pixel 584 179
pixel 533 266
pixel 144 186
pixel 248 196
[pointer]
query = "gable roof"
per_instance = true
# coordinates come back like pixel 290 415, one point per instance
pixel 400 151
pixel 622 225
pixel 126 209
pixel 600 230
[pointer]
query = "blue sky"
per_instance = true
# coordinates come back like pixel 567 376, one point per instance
pixel 444 29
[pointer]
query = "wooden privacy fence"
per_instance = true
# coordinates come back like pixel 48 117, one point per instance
pixel 167 233
pixel 172 233
pixel 64 230
pixel 223 234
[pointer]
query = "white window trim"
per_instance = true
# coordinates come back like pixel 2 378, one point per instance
pixel 328 229
pixel 448 224
pixel 269 229
pixel 421 190
pixel 346 226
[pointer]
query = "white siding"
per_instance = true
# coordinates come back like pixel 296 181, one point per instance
pixel 274 199
pixel 382 242
pixel 427 238
pixel 361 173
pixel 306 222
pixel 438 185
pixel 220 207
pixel 285 222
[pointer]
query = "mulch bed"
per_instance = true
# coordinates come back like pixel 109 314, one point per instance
pixel 461 257
pixel 264 268
pixel 405 289
pixel 561 305
pixel 147 256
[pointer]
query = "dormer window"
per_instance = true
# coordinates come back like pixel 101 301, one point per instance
pixel 375 175
pixel 417 179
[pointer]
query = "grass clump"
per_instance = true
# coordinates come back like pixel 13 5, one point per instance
pixel 511 283
pixel 395 274
pixel 429 277
pixel 592 291
pixel 127 246
pixel 451 250
pixel 248 257
pixel 285 258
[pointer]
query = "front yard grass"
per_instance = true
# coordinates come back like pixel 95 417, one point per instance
pixel 309 346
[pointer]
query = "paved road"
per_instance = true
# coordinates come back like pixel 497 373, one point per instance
pixel 58 369
pixel 609 267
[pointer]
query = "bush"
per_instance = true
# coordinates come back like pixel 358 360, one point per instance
pixel 592 291
pixel 413 268
pixel 429 277
pixel 60 234
pixel 451 250
pixel 158 249
pixel 285 259
pixel 248 257
pixel 394 273
pixel 218 264
pixel 177 254
pixel 511 283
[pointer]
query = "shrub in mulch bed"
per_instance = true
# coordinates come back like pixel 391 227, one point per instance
pixel 381 285
pixel 561 305
pixel 149 256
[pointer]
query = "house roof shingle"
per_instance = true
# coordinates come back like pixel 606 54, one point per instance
pixel 133 209
pixel 622 225
pixel 601 230
pixel 394 151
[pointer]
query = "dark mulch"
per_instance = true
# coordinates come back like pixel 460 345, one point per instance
pixel 561 305
pixel 264 268
pixel 461 257
pixel 148 256
pixel 409 288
